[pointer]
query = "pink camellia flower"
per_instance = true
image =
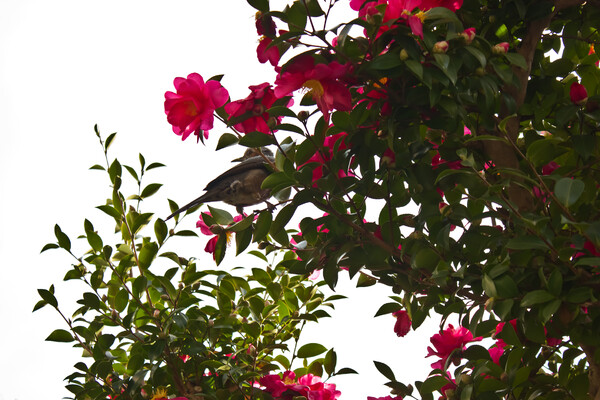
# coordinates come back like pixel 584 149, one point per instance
pixel 578 93
pixel 499 342
pixel 322 157
pixel 265 53
pixel 447 341
pixel 500 48
pixel 191 109
pixel 309 386
pixel 323 81
pixel 468 35
pixel 448 389
pixel 211 245
pixel 403 323
pixel 495 354
pixel 440 47
pixel 255 106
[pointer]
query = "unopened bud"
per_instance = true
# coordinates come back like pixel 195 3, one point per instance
pixel 468 35
pixel 251 350
pixel 504 377
pixel 480 71
pixel 303 115
pixel 403 54
pixel 500 48
pixel 272 122
pixel 156 313
pixel 263 245
pixel 211 322
pixel 440 47
pixel 466 379
pixel 114 314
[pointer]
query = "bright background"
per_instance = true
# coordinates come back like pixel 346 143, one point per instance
pixel 67 65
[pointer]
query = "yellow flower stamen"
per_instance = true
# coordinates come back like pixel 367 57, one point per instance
pixel 159 394
pixel 421 15
pixel 314 87
pixel 380 83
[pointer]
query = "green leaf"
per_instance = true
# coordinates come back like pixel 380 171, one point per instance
pixel 432 384
pixel 536 297
pixel 516 59
pixel 49 246
pixel 48 297
pixel 221 217
pixel 150 190
pixel 257 139
pixel 388 308
pixel 262 226
pixel 568 190
pixel 147 254
pixel 385 370
pixel 226 140
pixel 311 350
pixel 60 335
pixel 282 218
pixel 478 55
pixel 261 5
pixel 160 230
pixel 415 67
pixel 526 243
pixel 63 239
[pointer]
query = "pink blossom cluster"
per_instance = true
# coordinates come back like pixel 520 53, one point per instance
pixel 286 387
pixel 409 12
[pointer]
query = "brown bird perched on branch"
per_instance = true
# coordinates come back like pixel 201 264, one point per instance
pixel 239 186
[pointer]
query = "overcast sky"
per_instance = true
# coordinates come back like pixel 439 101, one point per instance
pixel 67 65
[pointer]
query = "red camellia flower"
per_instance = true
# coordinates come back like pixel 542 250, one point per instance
pixel 403 10
pixel 403 323
pixel 191 109
pixel 322 157
pixel 447 341
pixel 323 81
pixel 254 106
pixel 309 386
pixel 578 93
pixel 211 245
pixel 265 53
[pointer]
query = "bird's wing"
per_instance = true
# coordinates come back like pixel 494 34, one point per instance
pixel 251 163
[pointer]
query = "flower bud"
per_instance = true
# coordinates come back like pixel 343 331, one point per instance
pixel 272 122
pixel 480 71
pixel 578 94
pixel 500 48
pixel 468 35
pixel 403 55
pixel 466 379
pixel 440 47
pixel 156 313
pixel 251 350
pixel 303 115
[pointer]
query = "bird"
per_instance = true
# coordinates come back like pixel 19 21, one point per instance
pixel 239 186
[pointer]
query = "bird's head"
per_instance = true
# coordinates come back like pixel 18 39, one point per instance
pixel 254 152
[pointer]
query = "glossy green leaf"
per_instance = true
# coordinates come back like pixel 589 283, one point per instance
pixel 568 190
pixel 311 350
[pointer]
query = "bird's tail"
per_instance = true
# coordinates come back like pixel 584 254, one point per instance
pixel 191 204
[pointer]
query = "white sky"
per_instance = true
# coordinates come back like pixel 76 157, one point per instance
pixel 66 65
